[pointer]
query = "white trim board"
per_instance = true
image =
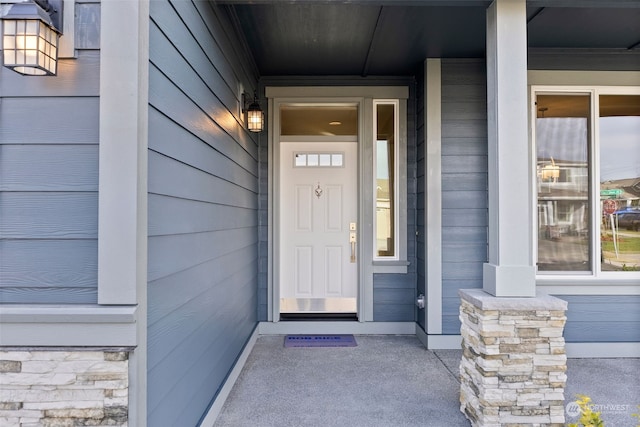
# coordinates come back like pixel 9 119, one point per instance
pixel 433 194
pixel 63 325
pixel 583 78
pixel 575 350
pixel 122 177
pixel 438 342
pixel 603 350
pixel 215 409
pixel 383 92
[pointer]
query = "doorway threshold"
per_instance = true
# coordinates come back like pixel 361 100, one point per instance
pixel 324 326
pixel 318 317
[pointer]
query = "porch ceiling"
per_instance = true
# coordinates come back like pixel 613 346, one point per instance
pixel 387 38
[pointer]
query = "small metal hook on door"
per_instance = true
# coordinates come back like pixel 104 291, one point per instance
pixel 318 191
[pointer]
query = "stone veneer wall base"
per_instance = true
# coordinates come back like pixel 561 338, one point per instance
pixel 51 387
pixel 513 364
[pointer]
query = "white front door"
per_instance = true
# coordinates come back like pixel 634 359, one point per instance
pixel 318 223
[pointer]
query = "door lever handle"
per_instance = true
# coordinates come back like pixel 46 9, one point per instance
pixel 352 240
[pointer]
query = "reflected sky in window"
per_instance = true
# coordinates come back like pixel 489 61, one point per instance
pixel 619 148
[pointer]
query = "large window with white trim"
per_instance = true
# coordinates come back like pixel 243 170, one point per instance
pixel 587 165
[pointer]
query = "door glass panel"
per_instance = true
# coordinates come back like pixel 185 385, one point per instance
pixel 562 166
pixel 319 120
pixel 620 182
pixel 326 160
pixel 300 160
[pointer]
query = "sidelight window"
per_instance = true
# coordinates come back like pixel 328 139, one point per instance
pixel 386 201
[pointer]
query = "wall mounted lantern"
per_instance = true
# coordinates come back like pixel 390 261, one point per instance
pixel 255 115
pixel 31 30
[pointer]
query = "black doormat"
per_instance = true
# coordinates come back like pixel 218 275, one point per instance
pixel 320 341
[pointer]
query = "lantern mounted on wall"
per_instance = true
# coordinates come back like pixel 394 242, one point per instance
pixel 255 115
pixel 30 34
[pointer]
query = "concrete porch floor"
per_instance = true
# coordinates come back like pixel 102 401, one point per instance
pixel 390 381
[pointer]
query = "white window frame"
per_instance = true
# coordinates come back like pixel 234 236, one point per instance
pixel 596 281
pixel 397 264
pixel 396 176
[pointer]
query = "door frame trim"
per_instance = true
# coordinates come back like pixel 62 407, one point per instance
pixel 363 97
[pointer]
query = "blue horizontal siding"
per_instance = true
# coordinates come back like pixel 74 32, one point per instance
pixel 50 215
pixel 600 318
pixel 77 77
pixel 43 168
pixel 203 211
pixel 49 135
pixel 464 183
pixel 61 120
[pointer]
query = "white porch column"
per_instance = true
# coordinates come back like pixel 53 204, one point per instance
pixel 510 271
pixel 122 204
pixel 122 200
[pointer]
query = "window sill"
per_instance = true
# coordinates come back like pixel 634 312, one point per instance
pixel 392 267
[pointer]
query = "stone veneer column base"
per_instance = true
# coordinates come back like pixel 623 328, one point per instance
pixel 513 362
pixel 64 387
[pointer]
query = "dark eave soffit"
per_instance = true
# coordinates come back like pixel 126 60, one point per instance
pixel 393 37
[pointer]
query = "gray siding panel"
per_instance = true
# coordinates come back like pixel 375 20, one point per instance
pixel 584 59
pixel 87 31
pixel 464 183
pixel 191 150
pixel 172 102
pixel 35 215
pixel 181 216
pixel 599 318
pixel 76 77
pixel 194 248
pixel 215 74
pixel 32 263
pixel 55 295
pixel 169 177
pixel 71 120
pixel 470 181
pixel 203 212
pixel 49 181
pixel 48 167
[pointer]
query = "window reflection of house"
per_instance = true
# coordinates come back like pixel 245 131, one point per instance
pixel 571 161
pixel 562 198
